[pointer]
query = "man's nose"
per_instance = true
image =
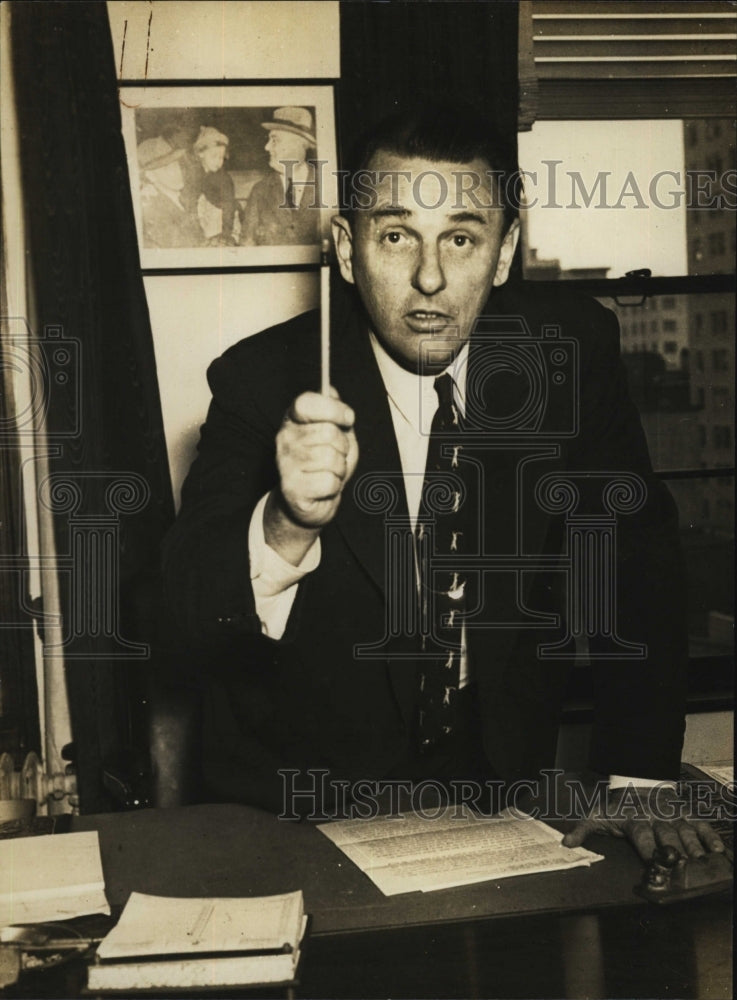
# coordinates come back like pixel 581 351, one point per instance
pixel 429 277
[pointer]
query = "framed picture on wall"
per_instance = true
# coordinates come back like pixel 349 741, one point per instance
pixel 230 176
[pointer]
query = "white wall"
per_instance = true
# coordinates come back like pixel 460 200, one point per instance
pixel 196 40
pixel 194 318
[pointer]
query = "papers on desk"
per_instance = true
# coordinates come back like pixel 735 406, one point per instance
pixel 49 878
pixel 721 770
pixel 163 942
pixel 416 853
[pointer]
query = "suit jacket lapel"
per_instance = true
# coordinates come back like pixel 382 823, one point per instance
pixel 357 378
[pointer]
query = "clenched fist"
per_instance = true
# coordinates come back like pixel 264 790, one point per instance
pixel 316 454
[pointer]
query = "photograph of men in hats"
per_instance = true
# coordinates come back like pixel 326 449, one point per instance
pixel 229 176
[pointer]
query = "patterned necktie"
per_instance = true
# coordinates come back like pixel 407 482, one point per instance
pixel 289 196
pixel 439 533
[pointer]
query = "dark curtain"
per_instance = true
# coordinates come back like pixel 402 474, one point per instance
pixel 109 486
pixel 19 721
pixel 394 53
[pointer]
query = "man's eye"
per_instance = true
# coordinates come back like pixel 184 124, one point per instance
pixel 393 237
pixel 461 240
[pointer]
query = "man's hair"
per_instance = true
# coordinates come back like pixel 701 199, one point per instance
pixel 439 132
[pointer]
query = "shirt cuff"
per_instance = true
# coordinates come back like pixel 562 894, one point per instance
pixel 623 781
pixel 270 574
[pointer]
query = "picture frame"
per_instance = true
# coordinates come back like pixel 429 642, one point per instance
pixel 207 194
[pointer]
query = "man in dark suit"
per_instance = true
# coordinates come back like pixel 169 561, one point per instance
pixel 301 555
pixel 281 206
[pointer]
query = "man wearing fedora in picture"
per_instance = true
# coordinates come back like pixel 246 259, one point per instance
pixel 166 221
pixel 282 207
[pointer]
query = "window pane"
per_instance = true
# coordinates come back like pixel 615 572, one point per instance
pixel 610 197
pixel 682 381
pixel 679 356
pixel 706 508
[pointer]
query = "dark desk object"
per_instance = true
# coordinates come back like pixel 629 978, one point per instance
pixel 670 878
pixel 578 933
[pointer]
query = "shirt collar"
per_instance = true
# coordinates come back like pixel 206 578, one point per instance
pixel 298 176
pixel 414 395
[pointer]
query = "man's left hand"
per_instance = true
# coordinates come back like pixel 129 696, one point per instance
pixel 651 818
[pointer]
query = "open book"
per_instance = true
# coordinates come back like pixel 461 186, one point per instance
pixel 162 941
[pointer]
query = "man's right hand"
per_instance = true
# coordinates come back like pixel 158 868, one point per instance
pixel 316 454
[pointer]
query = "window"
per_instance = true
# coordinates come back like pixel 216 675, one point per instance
pixel 722 436
pixel 689 427
pixel 603 90
pixel 607 198
pixel 720 395
pixel 720 360
pixel 717 244
pixel 718 321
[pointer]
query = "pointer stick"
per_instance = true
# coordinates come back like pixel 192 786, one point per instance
pixel 325 318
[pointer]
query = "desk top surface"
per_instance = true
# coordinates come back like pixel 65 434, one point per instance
pixel 577 933
pixel 232 850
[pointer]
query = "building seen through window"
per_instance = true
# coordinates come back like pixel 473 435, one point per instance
pixel 610 211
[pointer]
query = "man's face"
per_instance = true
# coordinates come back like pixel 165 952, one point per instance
pixel 169 176
pixel 424 255
pixel 284 146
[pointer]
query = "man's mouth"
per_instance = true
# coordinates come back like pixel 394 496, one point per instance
pixel 427 320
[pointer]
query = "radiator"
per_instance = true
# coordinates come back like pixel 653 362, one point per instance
pixel 32 782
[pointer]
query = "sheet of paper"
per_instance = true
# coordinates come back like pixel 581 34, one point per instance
pixel 165 925
pixel 52 877
pixel 422 854
pixel 721 770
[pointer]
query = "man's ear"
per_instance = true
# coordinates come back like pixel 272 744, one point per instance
pixel 343 240
pixel 506 254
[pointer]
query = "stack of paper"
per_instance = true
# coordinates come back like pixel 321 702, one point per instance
pixel 162 942
pixel 721 770
pixel 50 878
pixel 416 853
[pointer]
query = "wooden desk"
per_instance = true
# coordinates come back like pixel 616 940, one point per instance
pixel 581 933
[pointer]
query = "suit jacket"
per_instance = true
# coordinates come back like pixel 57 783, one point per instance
pixel 551 402
pixel 268 222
